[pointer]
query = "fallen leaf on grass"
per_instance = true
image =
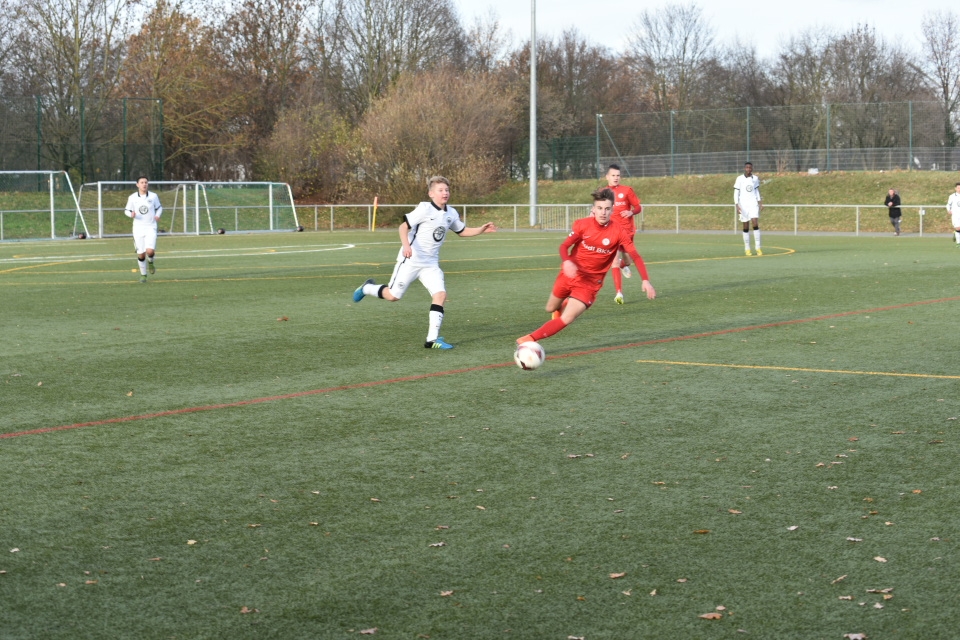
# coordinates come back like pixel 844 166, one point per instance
pixel 316 493
pixel 887 590
pixel 721 608
pixel 253 526
pixel 481 508
pixel 846 597
pixel 877 605
pixel 614 576
pixel 898 433
pixel 887 596
pixel 368 632
pixel 374 499
pixel 444 594
pixel 618 510
pixel 576 638
pixel 282 319
pixel 855 539
pixel 702 531
pixel 629 592
pixel 61 584
pixel 654 592
pixel 918 491
pixel 157 559
pixel 839 579
pixel 713 615
pixel 314 524
pixel 245 609
pixel 129 394
pixel 855 636
pixel 438 544
pixel 793 528
pixel 574 455
pixel 853 439
pixel 14 550
pixel 582 598
pixel 879 559
pixel 735 512
pixel 441 527
pixel 191 542
pixel 681 579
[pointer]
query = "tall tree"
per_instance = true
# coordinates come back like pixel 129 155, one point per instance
pixel 70 53
pixel 941 65
pixel 671 48
pixel 371 43
pixel 172 58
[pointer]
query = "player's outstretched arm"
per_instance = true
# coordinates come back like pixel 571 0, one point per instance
pixel 648 289
pixel 488 227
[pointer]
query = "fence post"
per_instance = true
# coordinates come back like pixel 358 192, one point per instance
pixel 910 158
pixel 514 218
pixel 795 219
pixel 858 220
pixel 922 213
pixel 331 218
pixel 1 225
pixel 677 207
pixel 236 218
pixel 316 217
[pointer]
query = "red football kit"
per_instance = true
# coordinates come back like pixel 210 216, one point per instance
pixel 625 199
pixel 593 248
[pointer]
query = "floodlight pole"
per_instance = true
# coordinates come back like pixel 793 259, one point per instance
pixel 533 113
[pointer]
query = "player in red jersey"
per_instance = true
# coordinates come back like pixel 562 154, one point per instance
pixel 625 207
pixel 587 254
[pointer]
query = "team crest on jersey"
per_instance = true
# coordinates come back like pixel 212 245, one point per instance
pixel 605 241
pixel 144 209
pixel 749 188
pixel 621 195
pixel 438 233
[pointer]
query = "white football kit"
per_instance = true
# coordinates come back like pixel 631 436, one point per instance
pixel 428 230
pixel 746 193
pixel 953 206
pixel 144 210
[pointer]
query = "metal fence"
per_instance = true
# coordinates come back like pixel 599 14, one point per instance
pixel 656 218
pixel 676 218
pixel 829 137
pixel 91 139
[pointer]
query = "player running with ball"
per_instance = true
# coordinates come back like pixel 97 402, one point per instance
pixel 145 209
pixel 587 254
pixel 422 233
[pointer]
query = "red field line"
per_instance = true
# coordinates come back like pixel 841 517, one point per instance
pixel 423 376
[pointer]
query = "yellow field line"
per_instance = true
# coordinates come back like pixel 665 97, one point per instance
pixel 891 374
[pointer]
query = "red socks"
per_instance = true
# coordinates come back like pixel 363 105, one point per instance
pixel 548 329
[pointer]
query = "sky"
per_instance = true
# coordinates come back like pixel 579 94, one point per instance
pixel 755 22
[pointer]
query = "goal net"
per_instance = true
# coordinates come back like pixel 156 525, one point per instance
pixel 39 204
pixel 194 207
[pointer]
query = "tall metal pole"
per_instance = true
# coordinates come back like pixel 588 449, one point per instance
pixel 533 113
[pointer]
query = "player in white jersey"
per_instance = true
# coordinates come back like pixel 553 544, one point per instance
pixel 145 209
pixel 953 206
pixel 746 195
pixel 422 233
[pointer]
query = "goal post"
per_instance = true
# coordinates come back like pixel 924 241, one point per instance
pixel 194 207
pixel 39 204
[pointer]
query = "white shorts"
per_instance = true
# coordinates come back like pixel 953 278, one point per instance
pixel 144 239
pixel 955 217
pixel 746 213
pixel 405 273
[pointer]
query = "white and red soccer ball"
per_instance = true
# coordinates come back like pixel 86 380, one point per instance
pixel 529 355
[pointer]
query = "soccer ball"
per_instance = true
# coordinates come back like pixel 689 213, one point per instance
pixel 529 355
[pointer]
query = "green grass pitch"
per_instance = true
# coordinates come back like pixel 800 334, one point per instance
pixel 236 449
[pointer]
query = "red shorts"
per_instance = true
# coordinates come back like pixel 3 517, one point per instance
pixel 583 287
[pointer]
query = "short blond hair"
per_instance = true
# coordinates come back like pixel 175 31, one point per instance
pixel 437 180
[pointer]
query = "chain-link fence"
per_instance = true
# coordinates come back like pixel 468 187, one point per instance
pixel 830 137
pixel 92 139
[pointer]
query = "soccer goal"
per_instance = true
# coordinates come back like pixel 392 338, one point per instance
pixel 193 208
pixel 39 204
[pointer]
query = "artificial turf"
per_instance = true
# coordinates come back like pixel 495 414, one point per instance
pixel 768 436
